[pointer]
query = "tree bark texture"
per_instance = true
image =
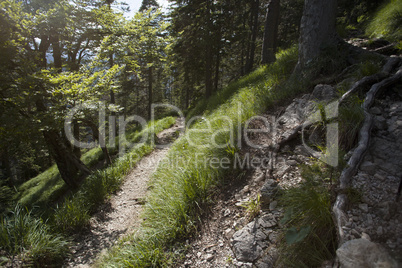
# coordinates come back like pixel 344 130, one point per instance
pixel 317 28
pixel 150 96
pixel 270 32
pixel 208 50
pixel 255 4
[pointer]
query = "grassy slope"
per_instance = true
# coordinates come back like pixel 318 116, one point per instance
pixel 75 212
pixel 48 186
pixel 387 22
pixel 179 191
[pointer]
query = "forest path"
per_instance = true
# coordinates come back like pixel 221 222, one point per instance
pixel 120 215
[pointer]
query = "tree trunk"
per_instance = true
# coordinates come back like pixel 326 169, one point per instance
pixel 208 72
pixel 56 52
pixel 95 135
pixel 217 66
pixel 270 32
pixel 43 47
pixel 187 88
pixel 112 98
pixel 254 26
pixel 208 51
pixel 317 29
pixel 7 165
pixel 76 133
pixel 150 91
pixel 68 164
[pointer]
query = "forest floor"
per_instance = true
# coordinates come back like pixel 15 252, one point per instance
pixel 120 215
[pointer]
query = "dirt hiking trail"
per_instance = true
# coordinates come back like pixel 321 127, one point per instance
pixel 120 215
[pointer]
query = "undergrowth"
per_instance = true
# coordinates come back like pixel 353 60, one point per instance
pixel 387 21
pixel 27 239
pixel 252 207
pixel 309 235
pixel 351 117
pixel 48 186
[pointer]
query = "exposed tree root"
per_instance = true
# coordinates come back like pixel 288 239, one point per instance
pixel 364 138
pixel 388 49
pixel 379 81
pixel 364 82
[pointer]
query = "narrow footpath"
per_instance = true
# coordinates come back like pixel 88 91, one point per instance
pixel 120 215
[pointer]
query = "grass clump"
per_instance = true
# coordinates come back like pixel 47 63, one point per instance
pixel 71 217
pixel 252 207
pixel 6 195
pixel 29 240
pixel 351 117
pixel 310 236
pixel 387 22
pixel 369 64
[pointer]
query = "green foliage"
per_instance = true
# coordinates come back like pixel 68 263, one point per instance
pixel 252 207
pixel 351 117
pixel 368 66
pixel 71 217
pixel 6 195
pixel 92 157
pixel 354 195
pixel 48 186
pixel 41 190
pixel 310 236
pixel 387 22
pixel 293 235
pixel 30 239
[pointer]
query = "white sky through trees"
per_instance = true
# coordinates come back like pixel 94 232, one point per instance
pixel 135 5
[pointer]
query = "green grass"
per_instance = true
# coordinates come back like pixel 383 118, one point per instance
pixel 47 187
pixel 74 213
pixel 31 240
pixel 206 106
pixel 351 117
pixel 181 186
pixel 309 236
pixel 41 190
pixel 92 157
pixel 387 22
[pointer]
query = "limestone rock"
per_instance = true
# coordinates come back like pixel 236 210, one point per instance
pixel 245 246
pixel 268 191
pixel 324 92
pixel 362 253
pixel 368 167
